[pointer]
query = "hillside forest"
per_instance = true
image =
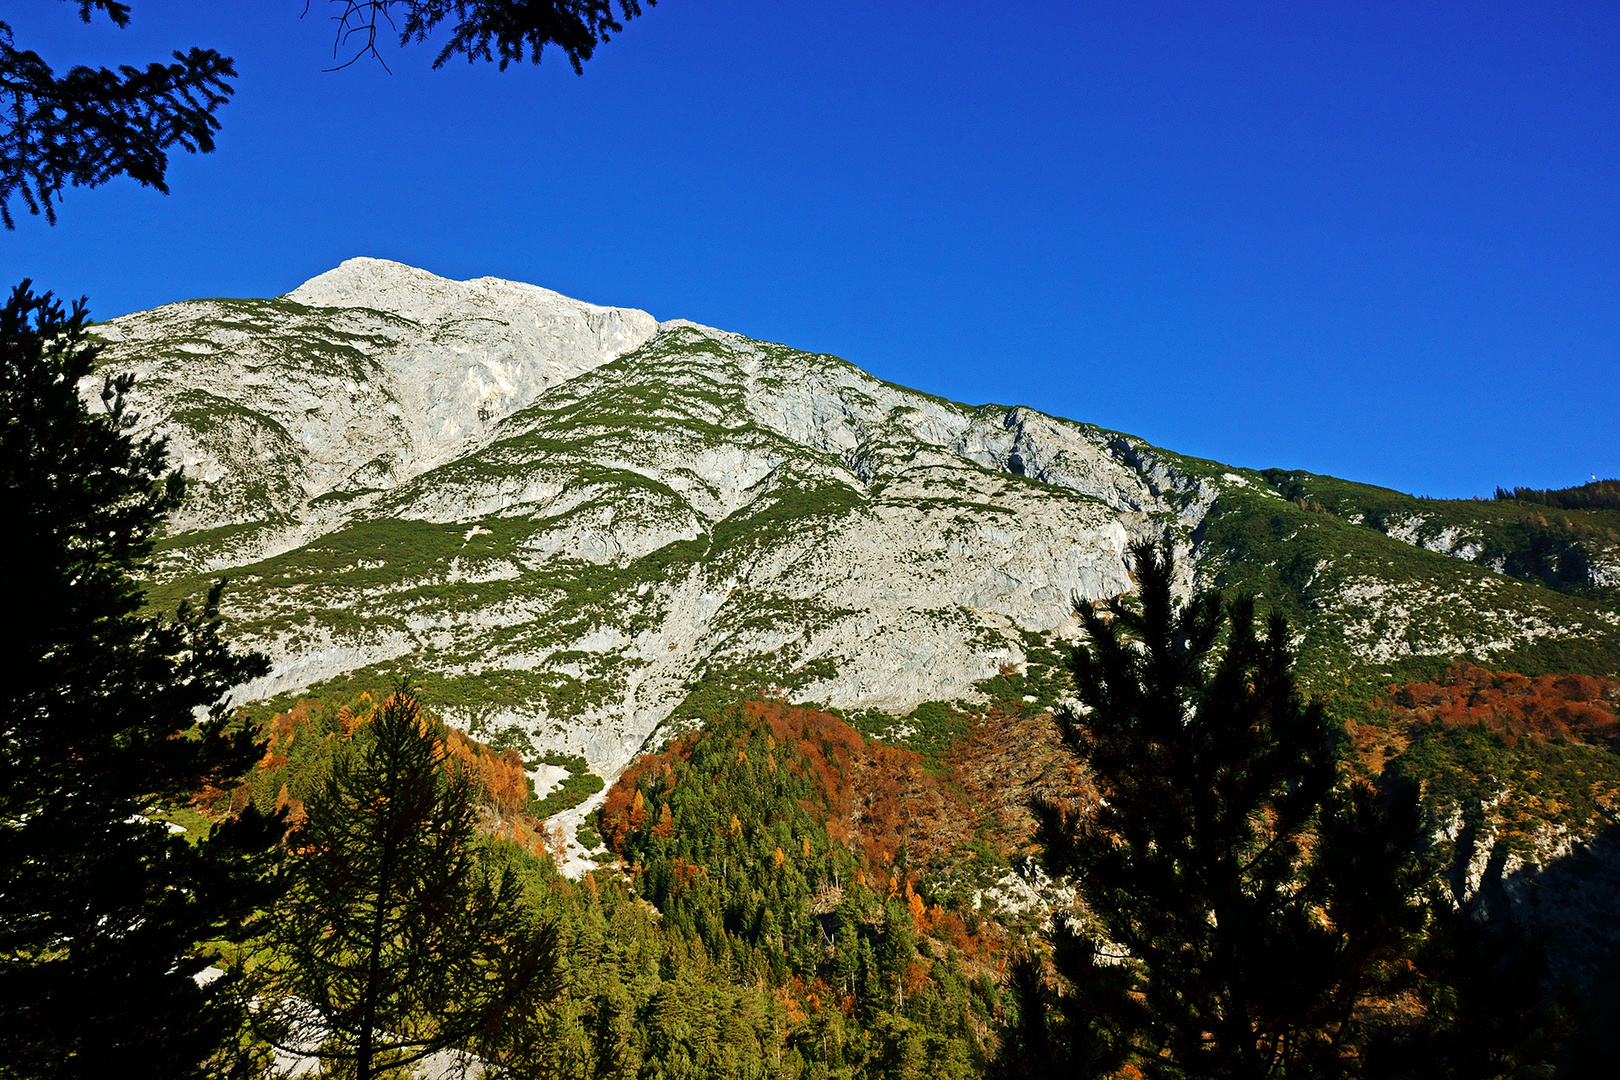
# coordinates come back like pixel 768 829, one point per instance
pixel 779 895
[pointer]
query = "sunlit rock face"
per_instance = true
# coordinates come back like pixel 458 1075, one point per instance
pixel 575 517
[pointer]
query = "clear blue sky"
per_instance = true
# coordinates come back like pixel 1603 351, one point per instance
pixel 1379 240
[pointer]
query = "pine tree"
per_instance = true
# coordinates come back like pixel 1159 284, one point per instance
pixel 402 935
pixel 896 953
pixel 1245 901
pixel 101 910
pixel 1049 1034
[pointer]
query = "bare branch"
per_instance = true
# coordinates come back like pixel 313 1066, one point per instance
pixel 500 31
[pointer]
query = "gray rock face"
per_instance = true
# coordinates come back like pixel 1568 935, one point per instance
pixel 573 514
pixel 359 379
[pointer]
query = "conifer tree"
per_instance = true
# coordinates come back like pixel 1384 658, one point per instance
pixel 1245 902
pixel 401 935
pixel 101 910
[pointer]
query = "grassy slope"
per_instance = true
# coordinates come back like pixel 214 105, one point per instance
pixel 1534 542
pixel 1348 586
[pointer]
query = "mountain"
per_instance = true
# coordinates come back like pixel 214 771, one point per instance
pixel 588 523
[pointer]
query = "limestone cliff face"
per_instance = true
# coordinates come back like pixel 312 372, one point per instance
pixel 574 517
pixel 359 379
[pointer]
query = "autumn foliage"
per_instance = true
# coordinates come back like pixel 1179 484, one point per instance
pixel 874 799
pixel 298 748
pixel 1514 707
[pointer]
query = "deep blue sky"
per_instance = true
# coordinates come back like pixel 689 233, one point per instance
pixel 1379 240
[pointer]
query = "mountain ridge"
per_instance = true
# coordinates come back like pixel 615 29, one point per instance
pixel 574 518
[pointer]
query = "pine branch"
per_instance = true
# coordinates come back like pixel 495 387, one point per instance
pixel 92 124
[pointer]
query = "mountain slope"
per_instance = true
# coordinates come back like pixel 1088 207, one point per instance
pixel 576 518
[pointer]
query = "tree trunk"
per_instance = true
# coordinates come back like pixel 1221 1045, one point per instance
pixel 368 1013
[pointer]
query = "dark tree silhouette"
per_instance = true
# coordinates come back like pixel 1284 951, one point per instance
pixel 401 935
pixel 501 31
pixel 1245 903
pixel 1597 495
pixel 91 124
pixel 101 909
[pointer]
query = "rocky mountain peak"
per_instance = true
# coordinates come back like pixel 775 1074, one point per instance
pixel 423 297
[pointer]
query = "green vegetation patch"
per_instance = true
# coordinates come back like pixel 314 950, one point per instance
pixel 1551 538
pixel 933 729
pixel 579 785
